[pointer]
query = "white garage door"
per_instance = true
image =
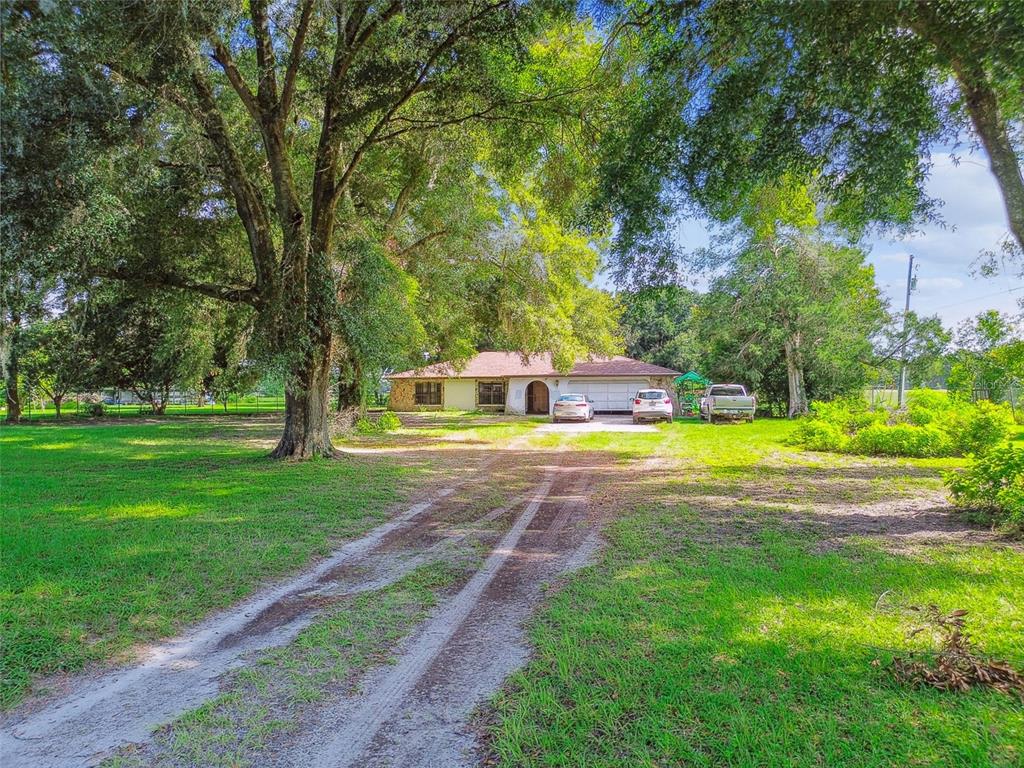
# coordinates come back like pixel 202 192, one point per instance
pixel 609 395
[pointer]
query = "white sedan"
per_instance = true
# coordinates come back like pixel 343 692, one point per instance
pixel 654 404
pixel 572 407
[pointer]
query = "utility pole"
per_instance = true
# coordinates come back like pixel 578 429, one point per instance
pixel 902 392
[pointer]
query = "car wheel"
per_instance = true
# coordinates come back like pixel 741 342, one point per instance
pixel 669 419
pixel 636 420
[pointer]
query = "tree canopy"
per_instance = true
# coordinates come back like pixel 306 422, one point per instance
pixel 854 95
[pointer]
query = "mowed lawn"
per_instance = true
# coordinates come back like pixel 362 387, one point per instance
pixel 745 610
pixel 116 534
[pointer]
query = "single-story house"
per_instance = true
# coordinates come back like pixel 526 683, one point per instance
pixel 505 382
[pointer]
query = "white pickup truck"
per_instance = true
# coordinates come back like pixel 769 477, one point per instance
pixel 727 401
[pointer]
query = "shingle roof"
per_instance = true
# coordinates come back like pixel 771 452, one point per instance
pixel 501 364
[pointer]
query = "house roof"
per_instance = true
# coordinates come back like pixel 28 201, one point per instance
pixel 501 364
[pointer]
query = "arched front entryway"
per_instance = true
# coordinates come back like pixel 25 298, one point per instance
pixel 537 400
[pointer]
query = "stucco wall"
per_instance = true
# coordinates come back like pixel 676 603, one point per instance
pixel 515 400
pixel 460 394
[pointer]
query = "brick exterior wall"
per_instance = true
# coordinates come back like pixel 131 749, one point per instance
pixel 403 396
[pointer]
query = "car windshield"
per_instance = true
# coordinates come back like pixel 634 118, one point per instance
pixel 651 394
pixel 572 398
pixel 727 391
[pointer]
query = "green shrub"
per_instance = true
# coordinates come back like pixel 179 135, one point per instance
pixel 926 406
pixel 901 440
pixel 980 427
pixel 388 422
pixel 819 435
pixel 992 488
pixel 365 427
pixel 92 409
pixel 933 424
pixel 847 413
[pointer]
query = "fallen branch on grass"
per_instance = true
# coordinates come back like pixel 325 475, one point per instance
pixel 955 666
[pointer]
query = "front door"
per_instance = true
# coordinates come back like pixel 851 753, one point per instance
pixel 537 397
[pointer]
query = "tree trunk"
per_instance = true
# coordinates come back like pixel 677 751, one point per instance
pixel 10 360
pixel 350 392
pixel 158 399
pixel 795 375
pixel 966 57
pixel 57 400
pixel 984 111
pixel 307 406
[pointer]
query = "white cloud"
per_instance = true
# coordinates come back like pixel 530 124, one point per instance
pixel 975 221
pixel 930 284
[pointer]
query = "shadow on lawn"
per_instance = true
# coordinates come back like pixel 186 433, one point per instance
pixel 893 504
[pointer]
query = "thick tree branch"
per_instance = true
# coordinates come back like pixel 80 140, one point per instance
pixel 248 201
pixel 223 57
pixel 158 279
pixel 401 203
pixel 355 38
pixel 298 48
pixel 266 90
pixel 163 91
pixel 446 45
pixel 965 57
pixel 415 246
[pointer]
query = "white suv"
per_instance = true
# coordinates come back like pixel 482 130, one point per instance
pixel 652 404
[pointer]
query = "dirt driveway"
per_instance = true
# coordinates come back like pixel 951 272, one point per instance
pixel 602 422
pixel 523 516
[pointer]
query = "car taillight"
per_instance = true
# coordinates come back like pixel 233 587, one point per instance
pixel 637 401
pixel 668 401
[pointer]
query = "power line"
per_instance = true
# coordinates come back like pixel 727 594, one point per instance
pixel 978 298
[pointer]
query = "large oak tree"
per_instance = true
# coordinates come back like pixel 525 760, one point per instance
pixel 325 128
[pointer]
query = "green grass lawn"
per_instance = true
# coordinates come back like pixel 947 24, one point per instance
pixel 733 618
pixel 116 534
pixel 70 409
pixel 715 631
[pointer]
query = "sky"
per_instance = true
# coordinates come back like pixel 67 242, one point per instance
pixel 975 220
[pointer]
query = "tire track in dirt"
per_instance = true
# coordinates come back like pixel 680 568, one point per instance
pixel 123 706
pixel 418 712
